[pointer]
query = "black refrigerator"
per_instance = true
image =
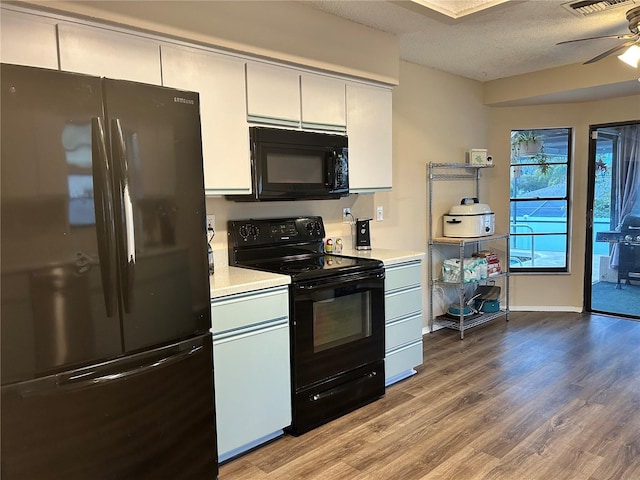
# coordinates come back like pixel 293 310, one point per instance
pixel 107 369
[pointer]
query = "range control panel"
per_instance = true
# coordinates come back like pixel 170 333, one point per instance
pixel 281 231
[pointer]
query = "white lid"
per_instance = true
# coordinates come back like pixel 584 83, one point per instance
pixel 470 206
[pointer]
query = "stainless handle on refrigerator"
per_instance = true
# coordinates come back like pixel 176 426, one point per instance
pixel 127 234
pixel 103 206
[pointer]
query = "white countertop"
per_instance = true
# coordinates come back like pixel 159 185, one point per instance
pixel 388 256
pixel 232 280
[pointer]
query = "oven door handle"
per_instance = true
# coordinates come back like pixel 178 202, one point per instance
pixel 339 281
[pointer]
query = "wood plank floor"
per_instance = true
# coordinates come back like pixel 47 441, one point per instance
pixel 550 396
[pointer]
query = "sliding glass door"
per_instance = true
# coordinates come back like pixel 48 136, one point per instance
pixel 612 280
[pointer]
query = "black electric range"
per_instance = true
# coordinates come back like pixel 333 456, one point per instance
pixel 336 315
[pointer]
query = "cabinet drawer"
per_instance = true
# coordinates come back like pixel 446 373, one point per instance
pixel 403 303
pixel 402 360
pixel 403 276
pixel 237 311
pixel 403 331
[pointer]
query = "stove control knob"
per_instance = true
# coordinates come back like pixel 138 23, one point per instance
pixel 244 233
pixel 313 228
pixel 253 230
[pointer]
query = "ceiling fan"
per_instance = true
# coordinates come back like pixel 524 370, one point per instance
pixel 633 17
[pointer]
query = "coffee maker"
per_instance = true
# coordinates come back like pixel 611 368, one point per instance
pixel 363 235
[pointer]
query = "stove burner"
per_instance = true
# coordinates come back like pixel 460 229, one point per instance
pixel 300 268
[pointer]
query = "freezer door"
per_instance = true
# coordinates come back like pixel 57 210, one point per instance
pixel 156 154
pixel 58 283
pixel 146 416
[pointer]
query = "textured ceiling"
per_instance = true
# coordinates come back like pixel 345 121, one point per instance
pixel 510 38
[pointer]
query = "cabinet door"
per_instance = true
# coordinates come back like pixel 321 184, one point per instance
pixel 28 40
pixel 273 95
pixel 105 53
pixel 252 368
pixel 369 130
pixel 225 136
pixel 323 103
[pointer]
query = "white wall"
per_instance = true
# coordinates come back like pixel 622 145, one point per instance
pixel 558 291
pixel 436 118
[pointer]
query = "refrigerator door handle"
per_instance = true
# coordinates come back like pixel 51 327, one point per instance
pixel 103 206
pixel 83 380
pixel 89 378
pixel 128 248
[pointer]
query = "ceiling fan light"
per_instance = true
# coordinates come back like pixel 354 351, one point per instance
pixel 631 56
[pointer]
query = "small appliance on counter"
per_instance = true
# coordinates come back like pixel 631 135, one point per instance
pixel 469 219
pixel 363 234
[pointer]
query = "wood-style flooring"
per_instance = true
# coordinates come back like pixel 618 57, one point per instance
pixel 549 396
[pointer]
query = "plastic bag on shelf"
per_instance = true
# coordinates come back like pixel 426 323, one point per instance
pixel 474 269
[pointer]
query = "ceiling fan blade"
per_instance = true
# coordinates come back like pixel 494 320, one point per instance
pixel 610 51
pixel 621 36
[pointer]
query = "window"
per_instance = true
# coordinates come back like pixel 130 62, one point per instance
pixel 539 203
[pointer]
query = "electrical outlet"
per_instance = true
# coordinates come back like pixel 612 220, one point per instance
pixel 211 223
pixel 346 214
pixel 379 214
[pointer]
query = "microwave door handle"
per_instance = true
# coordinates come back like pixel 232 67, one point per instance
pixel 103 206
pixel 127 237
pixel 331 168
pixel 329 173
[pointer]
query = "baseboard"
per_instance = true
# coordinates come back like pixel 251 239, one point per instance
pixel 546 308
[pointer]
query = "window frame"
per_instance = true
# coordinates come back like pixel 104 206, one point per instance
pixel 514 200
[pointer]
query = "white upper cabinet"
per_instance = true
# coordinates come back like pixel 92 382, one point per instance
pixel 28 40
pixel 273 95
pixel 369 115
pixel 225 135
pixel 323 103
pixel 105 53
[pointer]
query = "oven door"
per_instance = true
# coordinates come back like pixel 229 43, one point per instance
pixel 337 326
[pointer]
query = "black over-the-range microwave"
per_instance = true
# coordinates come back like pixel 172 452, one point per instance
pixel 296 165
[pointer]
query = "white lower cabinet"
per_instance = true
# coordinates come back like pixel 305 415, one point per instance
pixel 251 369
pixel 403 320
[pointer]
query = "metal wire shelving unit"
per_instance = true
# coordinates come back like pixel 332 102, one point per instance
pixel 471 173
